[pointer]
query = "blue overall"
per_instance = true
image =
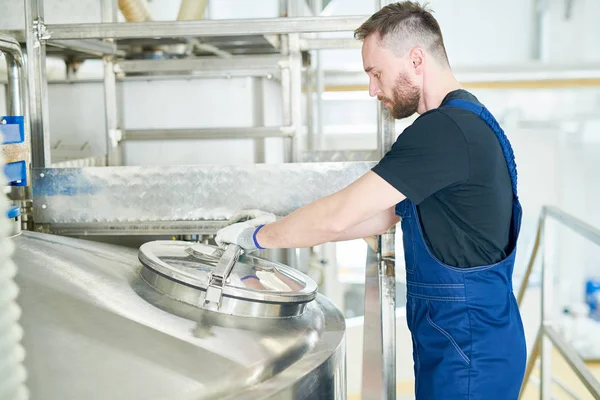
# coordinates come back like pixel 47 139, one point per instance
pixel 468 337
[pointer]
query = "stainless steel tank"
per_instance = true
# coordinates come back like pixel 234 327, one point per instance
pixel 109 322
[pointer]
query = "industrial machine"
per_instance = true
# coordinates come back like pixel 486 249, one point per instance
pixel 109 322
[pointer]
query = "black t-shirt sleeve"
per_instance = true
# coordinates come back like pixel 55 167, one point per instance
pixel 428 156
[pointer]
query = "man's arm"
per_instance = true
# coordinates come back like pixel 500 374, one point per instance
pixel 334 217
pixel 376 225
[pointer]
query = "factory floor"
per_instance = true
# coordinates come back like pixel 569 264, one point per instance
pixel 561 370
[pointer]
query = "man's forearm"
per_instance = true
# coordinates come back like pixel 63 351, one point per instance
pixel 336 217
pixel 306 227
pixel 275 234
pixel 376 225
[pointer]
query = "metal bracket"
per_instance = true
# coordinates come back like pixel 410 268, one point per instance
pixel 214 291
pixel 40 32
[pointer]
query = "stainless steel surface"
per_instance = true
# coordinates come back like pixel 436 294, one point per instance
pixel 531 360
pixel 295 68
pixel 252 278
pixel 547 336
pixel 258 117
pixel 206 28
pixel 115 228
pixel 38 88
pixel 15 226
pixel 111 110
pixel 214 290
pixel 95 330
pixel 16 75
pixel 93 47
pixel 373 383
pixel 210 133
pixel 286 101
pixel 386 129
pixel 182 193
pixel 340 155
pixel 387 279
pixel 333 43
pixel 574 361
pixel 584 229
pixel 532 257
pixel 546 313
pixel 207 65
pixel 111 100
pixel 93 161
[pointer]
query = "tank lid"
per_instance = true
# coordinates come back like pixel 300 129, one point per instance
pixel 225 280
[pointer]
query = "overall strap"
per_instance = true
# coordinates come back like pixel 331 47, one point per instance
pixel 489 119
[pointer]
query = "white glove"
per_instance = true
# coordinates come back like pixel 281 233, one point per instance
pixel 241 234
pixel 254 217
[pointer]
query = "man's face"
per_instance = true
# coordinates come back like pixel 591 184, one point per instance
pixel 390 78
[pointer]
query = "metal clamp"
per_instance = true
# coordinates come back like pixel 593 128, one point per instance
pixel 40 31
pixel 214 291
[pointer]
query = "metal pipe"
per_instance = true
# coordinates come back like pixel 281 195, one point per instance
pixel 574 361
pixel 584 229
pixel 387 279
pixel 205 28
pixel 210 133
pixel 531 263
pixel 258 117
pixel 386 127
pixel 545 345
pixel 111 104
pixel 36 34
pixel 14 60
pixel 373 384
pixel 535 351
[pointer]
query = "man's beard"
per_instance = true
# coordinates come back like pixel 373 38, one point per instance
pixel 406 98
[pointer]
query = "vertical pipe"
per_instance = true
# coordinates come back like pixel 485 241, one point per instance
pixel 286 105
pixel 295 64
pixel 386 126
pixel 15 90
pixel 38 87
pixel 387 279
pixel 372 361
pixel 546 345
pixel 319 81
pixel 111 108
pixel 310 108
pixel 258 117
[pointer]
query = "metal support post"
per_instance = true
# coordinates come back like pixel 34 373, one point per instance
pixel 379 351
pixel 295 68
pixel 310 108
pixel 38 87
pixel 546 344
pixel 386 129
pixel 258 118
pixel 379 339
pixel 111 109
pixel 319 81
pixel 286 108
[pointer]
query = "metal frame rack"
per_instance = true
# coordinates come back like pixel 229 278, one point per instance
pixel 110 201
pixel 548 335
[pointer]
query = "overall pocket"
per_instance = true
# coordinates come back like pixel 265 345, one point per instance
pixel 449 329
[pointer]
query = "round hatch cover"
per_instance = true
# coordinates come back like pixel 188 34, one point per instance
pixel 225 281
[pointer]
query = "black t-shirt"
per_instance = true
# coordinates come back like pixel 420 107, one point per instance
pixel 450 164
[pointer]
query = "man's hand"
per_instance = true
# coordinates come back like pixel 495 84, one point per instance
pixel 253 217
pixel 241 234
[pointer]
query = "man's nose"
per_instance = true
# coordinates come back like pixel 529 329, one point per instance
pixel 373 88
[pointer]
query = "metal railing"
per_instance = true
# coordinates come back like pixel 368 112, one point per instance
pixel 547 335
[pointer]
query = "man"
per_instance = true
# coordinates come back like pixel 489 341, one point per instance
pixel 451 178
